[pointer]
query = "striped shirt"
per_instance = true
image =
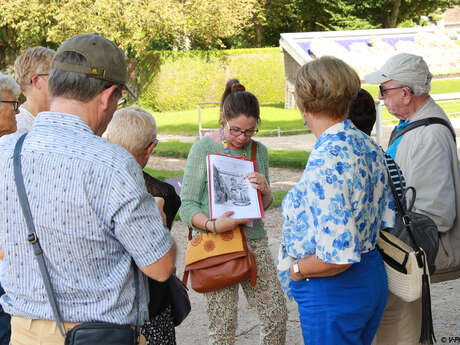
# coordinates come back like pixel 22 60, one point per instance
pixel 92 214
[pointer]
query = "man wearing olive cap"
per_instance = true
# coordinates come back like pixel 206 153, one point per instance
pixel 92 213
pixel 427 155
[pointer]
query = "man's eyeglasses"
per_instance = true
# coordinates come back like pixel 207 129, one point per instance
pixel 154 142
pixel 236 132
pixel 382 90
pixel 122 102
pixel 15 104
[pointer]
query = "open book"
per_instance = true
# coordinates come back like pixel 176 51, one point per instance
pixel 229 190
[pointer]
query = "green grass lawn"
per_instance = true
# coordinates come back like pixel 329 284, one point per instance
pixel 164 174
pixel 186 122
pixel 277 158
pixel 274 116
pixel 278 196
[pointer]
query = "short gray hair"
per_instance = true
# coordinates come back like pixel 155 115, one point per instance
pixel 8 84
pixel 73 85
pixel 132 128
pixel 419 89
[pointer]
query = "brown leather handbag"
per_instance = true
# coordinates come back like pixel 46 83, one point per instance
pixel 215 261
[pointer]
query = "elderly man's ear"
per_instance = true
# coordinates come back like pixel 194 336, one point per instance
pixel 144 158
pixel 149 150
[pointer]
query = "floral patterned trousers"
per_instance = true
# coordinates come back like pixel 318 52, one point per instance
pixel 267 298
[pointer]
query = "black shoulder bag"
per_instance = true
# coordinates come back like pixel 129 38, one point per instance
pixel 87 333
pixel 418 231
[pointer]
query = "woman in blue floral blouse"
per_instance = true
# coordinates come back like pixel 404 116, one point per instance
pixel 328 261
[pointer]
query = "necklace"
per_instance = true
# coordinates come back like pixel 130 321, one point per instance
pixel 224 144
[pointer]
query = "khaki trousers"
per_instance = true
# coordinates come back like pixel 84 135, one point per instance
pixel 401 322
pixel 38 332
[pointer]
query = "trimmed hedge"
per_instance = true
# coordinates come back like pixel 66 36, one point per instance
pixel 178 80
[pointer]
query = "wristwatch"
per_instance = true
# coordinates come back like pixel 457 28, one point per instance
pixel 296 269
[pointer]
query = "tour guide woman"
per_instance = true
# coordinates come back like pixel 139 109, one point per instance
pixel 240 119
pixel 328 259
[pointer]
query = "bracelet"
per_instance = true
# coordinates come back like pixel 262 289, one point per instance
pixel 206 224
pixel 214 227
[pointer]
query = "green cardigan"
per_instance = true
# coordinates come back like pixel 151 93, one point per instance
pixel 194 191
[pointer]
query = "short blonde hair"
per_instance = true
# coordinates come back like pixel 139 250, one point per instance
pixel 132 128
pixel 35 60
pixel 7 84
pixel 326 85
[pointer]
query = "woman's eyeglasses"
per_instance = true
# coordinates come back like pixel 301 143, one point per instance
pixel 15 104
pixel 236 132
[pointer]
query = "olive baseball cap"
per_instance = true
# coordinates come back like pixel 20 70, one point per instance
pixel 105 60
pixel 403 67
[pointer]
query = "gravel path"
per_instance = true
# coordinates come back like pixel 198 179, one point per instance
pixel 193 331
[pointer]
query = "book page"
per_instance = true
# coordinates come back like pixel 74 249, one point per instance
pixel 229 190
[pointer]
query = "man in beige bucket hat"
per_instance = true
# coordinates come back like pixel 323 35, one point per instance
pixel 427 156
pixel 92 213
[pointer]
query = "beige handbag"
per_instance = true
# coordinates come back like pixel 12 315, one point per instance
pixel 404 269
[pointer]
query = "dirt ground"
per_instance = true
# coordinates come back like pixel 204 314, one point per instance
pixel 193 331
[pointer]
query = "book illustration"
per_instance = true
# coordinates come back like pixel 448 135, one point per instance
pixel 230 187
pixel 229 190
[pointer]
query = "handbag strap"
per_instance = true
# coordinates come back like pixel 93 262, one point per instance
pixel 253 150
pixel 402 210
pixel 423 122
pixel 32 235
pixel 33 240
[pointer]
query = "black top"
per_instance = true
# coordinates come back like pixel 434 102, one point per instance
pixel 159 292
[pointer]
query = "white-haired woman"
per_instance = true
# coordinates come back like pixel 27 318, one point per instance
pixel 135 129
pixel 9 92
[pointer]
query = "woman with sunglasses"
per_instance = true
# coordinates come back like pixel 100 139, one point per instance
pixel 135 129
pixel 240 117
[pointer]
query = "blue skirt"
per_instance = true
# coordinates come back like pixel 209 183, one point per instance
pixel 346 308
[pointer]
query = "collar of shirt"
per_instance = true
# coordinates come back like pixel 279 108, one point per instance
pixel 28 117
pixel 402 124
pixel 69 121
pixel 336 129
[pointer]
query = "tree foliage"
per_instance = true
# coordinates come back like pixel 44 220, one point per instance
pixel 134 25
pixel 141 25
pixel 320 15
